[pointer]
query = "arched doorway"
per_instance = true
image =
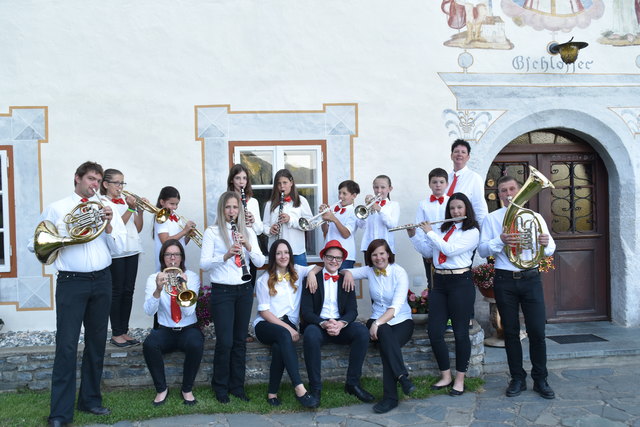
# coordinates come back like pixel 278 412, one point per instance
pixel 576 212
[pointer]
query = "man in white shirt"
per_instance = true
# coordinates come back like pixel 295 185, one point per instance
pixel 329 316
pixel 464 180
pixel 517 288
pixel 83 297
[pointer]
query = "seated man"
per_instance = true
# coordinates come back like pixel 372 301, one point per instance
pixel 329 316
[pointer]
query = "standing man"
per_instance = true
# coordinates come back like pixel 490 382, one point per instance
pixel 329 316
pixel 464 180
pixel 83 296
pixel 514 289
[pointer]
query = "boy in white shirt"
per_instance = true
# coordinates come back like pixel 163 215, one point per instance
pixel 341 222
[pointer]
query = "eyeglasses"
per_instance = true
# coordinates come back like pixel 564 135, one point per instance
pixel 332 258
pixel 118 183
pixel 176 255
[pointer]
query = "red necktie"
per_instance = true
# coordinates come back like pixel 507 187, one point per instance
pixel 173 218
pixel 176 314
pixel 337 209
pixel 238 260
pixel 118 201
pixel 382 203
pixel 453 185
pixel 439 199
pixel 328 276
pixel 84 200
pixel 442 258
pixel 287 199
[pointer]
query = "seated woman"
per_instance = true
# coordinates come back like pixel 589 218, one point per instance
pixel 278 292
pixel 390 323
pixel 178 325
pixel 451 246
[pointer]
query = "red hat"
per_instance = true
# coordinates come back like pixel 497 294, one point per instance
pixel 334 244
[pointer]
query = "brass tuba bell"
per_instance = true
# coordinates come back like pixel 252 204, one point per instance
pixel 519 220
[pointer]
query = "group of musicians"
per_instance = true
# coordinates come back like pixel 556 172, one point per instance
pixel 97 272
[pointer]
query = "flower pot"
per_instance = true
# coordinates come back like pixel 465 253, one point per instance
pixel 420 318
pixel 487 292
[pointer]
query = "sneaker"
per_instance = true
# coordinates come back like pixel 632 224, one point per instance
pixel 449 328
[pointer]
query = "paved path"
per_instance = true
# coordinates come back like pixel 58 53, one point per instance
pixel 599 396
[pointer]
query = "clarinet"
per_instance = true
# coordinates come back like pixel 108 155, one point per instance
pixel 280 213
pixel 243 198
pixel 246 276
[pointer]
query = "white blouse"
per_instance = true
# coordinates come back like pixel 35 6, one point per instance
pixel 254 208
pixel 286 301
pixel 458 248
pixel 291 231
pixel 162 305
pixel 348 220
pixel 377 225
pixel 133 242
pixel 386 292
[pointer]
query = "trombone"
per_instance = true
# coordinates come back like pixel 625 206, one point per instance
pixel 177 286
pixel 363 211
pixel 161 214
pixel 410 226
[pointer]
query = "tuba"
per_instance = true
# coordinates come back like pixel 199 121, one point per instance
pixel 84 224
pixel 177 286
pixel 161 214
pixel 523 222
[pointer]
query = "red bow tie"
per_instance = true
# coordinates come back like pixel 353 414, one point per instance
pixel 287 199
pixel 84 200
pixel 439 199
pixel 173 218
pixel 382 203
pixel 328 276
pixel 118 201
pixel 338 209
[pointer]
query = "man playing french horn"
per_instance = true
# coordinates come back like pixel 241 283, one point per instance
pixel 83 289
pixel 517 282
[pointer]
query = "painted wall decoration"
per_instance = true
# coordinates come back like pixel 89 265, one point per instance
pixel 484 30
pixel 553 15
pixel 625 25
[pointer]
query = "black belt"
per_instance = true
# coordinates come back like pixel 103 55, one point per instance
pixel 83 275
pixel 182 328
pixel 517 275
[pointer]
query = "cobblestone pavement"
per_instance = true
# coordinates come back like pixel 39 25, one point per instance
pixel 598 396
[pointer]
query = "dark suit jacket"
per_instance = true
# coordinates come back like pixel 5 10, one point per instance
pixel 311 304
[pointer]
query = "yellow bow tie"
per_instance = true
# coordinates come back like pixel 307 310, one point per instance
pixel 380 271
pixel 284 276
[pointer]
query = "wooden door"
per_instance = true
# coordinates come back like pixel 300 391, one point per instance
pixel 576 212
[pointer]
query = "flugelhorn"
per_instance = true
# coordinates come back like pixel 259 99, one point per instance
pixel 161 214
pixel 177 286
pixel 410 226
pixel 363 211
pixel 246 275
pixel 523 222
pixel 84 223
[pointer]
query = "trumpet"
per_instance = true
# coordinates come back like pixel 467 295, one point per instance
pixel 177 286
pixel 280 213
pixel 363 211
pixel 246 276
pixel 194 234
pixel 84 223
pixel 410 226
pixel 161 214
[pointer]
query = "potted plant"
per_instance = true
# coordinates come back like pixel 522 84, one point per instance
pixel 419 306
pixel 483 275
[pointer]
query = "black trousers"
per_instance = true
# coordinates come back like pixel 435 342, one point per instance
pixel 452 297
pixel 230 307
pixel 123 276
pixel 81 298
pixel 164 340
pixel 427 271
pixel 390 342
pixel 355 334
pixel 283 354
pixel 526 292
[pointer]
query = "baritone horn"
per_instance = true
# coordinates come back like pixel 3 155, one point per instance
pixel 522 222
pixel 177 286
pixel 363 211
pixel 161 214
pixel 84 223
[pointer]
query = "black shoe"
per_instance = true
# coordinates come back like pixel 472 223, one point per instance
pixel 543 389
pixel 98 410
pixel 308 401
pixel 133 342
pixel 454 392
pixel 56 423
pixel 274 401
pixel 222 398
pixel 189 402
pixel 317 395
pixel 120 344
pixel 516 386
pixel 241 395
pixel 407 385
pixel 357 391
pixel 162 402
pixel 440 387
pixel 384 406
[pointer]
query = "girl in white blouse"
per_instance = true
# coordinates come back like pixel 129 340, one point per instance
pixel 223 254
pixel 390 323
pixel 451 246
pixel 384 214
pixel 278 292
pixel 287 224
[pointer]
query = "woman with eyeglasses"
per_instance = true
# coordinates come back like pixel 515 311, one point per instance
pixel 227 246
pixel 178 325
pixel 124 266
